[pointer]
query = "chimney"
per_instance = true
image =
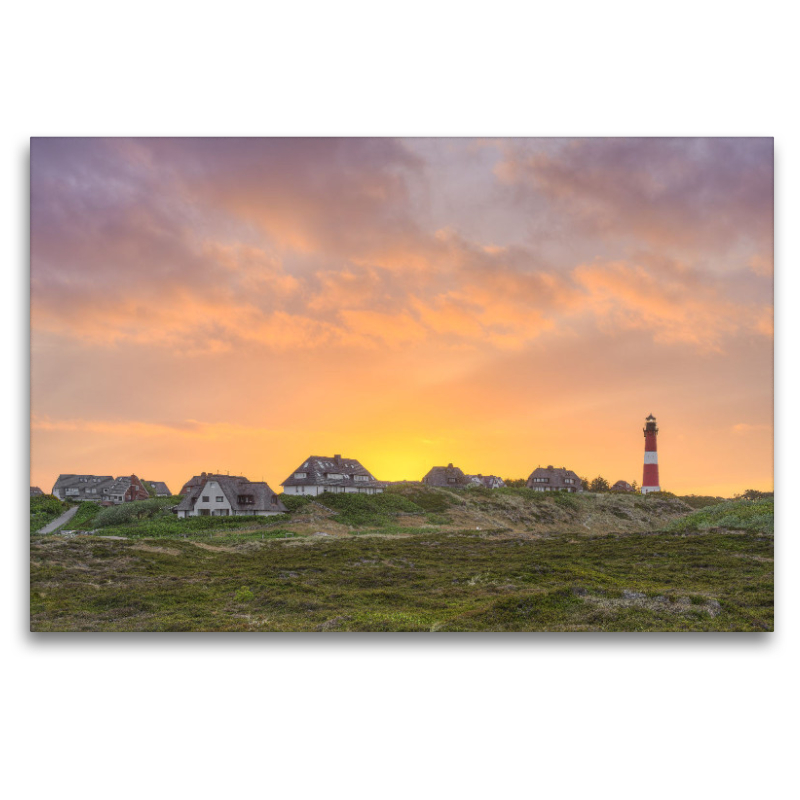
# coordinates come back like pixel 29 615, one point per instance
pixel 337 458
pixel 450 466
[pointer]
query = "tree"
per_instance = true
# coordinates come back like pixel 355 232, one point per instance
pixel 753 494
pixel 635 487
pixel 599 484
pixel 585 484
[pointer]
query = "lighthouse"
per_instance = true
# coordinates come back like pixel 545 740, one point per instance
pixel 650 476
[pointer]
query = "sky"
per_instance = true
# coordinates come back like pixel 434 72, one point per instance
pixel 236 305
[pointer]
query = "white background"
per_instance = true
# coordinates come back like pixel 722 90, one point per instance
pixel 235 716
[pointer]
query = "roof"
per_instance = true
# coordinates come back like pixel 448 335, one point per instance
pixel 317 470
pixel 69 480
pixel 622 485
pixel 446 476
pixel 233 487
pixel 651 417
pixel 196 480
pixel 556 474
pixel 159 486
pixel 489 481
pixel 35 490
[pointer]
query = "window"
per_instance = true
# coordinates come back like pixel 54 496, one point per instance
pixel 568 480
pixel 334 476
pixel 205 498
pixel 301 475
pixel 220 499
pixel 362 477
pixel 274 499
pixel 246 500
pixel 205 512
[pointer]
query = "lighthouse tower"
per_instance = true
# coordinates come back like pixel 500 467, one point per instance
pixel 650 477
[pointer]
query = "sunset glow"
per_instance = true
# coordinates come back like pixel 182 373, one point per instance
pixel 240 304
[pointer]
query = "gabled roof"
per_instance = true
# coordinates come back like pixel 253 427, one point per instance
pixel 35 490
pixel 622 486
pixel 196 480
pixel 446 476
pixel 234 487
pixel 160 487
pixel 556 474
pixel 82 483
pixel 318 468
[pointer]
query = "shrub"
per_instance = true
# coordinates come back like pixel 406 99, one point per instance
pixel 139 509
pixel 44 509
pixel 84 517
pixel 700 501
pixel 367 509
pixel 294 502
pixel 743 515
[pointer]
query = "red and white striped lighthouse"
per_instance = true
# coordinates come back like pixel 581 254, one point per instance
pixel 650 476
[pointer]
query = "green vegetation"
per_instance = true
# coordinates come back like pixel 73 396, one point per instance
pixel 700 500
pixel 368 509
pixel 425 582
pixel 294 502
pixel 599 484
pixel 737 515
pixel 44 509
pixel 154 508
pixel 84 519
pixel 413 558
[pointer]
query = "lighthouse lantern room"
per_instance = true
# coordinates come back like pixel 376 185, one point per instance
pixel 650 475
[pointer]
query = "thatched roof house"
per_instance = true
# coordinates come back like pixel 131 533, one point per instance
pixel 161 489
pixel 446 476
pixel 622 486
pixel 553 479
pixel 318 474
pixel 224 495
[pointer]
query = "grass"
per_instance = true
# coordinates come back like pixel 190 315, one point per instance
pixel 429 581
pixel 412 559
pixel 739 515
pixel 44 509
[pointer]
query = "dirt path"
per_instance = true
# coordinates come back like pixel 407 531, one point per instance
pixel 57 523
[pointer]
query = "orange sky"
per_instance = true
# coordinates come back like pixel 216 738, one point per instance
pixel 237 305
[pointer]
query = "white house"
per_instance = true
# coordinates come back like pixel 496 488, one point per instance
pixel 224 496
pixel 318 474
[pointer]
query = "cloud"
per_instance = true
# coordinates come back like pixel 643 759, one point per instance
pixel 674 303
pixel 681 192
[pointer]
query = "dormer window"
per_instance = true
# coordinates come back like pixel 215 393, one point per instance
pixel 300 475
pixel 334 476
pixel 361 477
pixel 246 500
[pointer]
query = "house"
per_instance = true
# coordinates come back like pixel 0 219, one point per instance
pixel 161 489
pixel 36 491
pixel 446 476
pixel 487 481
pixel 318 474
pixel 554 479
pixel 99 489
pixel 85 487
pixel 195 481
pixel 622 486
pixel 229 496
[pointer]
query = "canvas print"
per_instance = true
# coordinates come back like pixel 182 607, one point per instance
pixel 373 384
